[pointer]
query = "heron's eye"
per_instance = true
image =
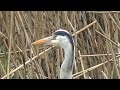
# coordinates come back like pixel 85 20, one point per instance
pixel 54 36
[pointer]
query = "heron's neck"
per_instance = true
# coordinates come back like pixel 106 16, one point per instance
pixel 67 65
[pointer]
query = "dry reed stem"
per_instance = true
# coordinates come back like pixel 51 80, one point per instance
pixel 4 22
pixel 3 36
pixel 96 55
pixel 47 64
pixel 76 75
pixel 89 69
pixel 114 21
pixel 102 12
pixel 10 42
pixel 115 64
pixel 82 65
pixel 107 38
pixel 2 69
pixel 85 27
pixel 105 76
pixel 27 62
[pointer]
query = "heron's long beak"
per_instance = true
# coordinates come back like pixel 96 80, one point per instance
pixel 46 41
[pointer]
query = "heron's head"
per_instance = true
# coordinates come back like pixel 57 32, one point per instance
pixel 60 38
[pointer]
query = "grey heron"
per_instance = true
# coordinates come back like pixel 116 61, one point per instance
pixel 63 39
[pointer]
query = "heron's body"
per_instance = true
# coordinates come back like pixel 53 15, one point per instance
pixel 63 39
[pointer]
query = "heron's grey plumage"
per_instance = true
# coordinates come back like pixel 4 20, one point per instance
pixel 69 57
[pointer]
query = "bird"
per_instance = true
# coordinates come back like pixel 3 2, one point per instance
pixel 62 38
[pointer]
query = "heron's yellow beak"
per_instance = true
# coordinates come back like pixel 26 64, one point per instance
pixel 42 41
pixel 38 42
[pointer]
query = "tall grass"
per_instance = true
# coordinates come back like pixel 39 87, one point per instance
pixel 96 35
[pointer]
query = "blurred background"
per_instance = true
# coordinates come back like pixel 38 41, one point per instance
pixel 96 35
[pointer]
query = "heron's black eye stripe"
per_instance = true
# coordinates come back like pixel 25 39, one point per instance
pixel 62 33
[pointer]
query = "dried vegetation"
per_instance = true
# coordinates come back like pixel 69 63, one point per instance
pixel 96 35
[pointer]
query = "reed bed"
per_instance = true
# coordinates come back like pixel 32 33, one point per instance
pixel 96 35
